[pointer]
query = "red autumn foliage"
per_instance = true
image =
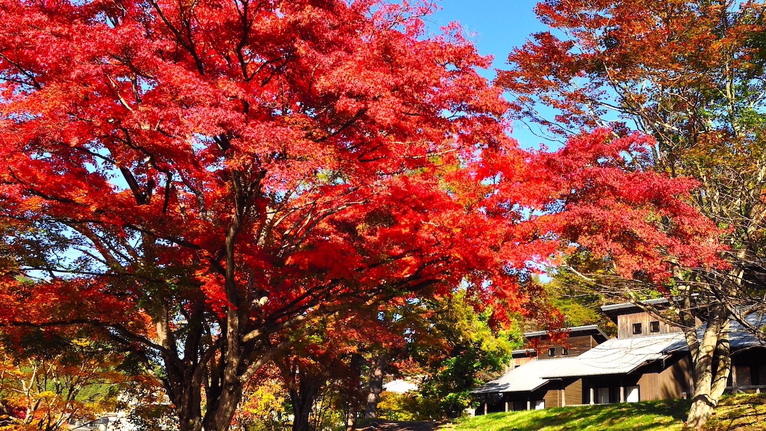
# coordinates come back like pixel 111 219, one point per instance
pixel 199 178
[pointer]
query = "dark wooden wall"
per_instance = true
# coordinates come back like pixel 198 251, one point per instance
pixel 573 393
pixel 668 383
pixel 625 325
pixel 576 346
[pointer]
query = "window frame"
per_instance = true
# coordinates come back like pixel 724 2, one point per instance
pixel 654 326
pixel 638 328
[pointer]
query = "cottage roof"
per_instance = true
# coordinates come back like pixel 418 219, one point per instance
pixel 574 331
pixel 619 356
pixel 740 338
pixel 614 310
pixel 527 377
pixel 521 353
pixel 615 356
pixel 632 306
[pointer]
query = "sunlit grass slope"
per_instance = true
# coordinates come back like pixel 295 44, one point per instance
pixel 741 413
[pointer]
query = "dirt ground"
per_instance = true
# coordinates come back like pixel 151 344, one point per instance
pixel 401 426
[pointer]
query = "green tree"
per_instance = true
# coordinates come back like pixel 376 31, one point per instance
pixel 578 301
pixel 471 352
pixel 690 74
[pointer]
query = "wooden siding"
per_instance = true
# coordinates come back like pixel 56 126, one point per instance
pixel 748 368
pixel 519 361
pixel 625 324
pixel 573 393
pixel 553 398
pixel 669 383
pixel 655 381
pixel 570 395
pixel 575 345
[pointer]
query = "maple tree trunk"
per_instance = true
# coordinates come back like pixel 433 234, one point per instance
pixel 226 406
pixel 354 399
pixel 185 386
pixel 723 363
pixel 350 419
pixel 302 398
pixel 189 418
pixel 186 396
pixel 375 386
pixel 712 363
pixel 221 404
pixel 222 401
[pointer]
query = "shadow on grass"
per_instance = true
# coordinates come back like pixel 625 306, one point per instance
pixel 633 416
pixel 383 425
pixel 743 412
pixel 737 413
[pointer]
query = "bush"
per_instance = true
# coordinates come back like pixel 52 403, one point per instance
pixel 407 407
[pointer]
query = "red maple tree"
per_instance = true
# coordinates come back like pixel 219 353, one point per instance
pixel 196 178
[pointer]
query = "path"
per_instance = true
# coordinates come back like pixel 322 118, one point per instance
pixel 401 426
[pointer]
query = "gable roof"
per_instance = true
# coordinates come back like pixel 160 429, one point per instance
pixel 525 378
pixel 614 310
pixel 575 331
pixel 620 356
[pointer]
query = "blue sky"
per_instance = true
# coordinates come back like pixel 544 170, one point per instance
pixel 495 27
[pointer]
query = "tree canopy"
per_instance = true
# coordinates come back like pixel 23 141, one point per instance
pixel 194 179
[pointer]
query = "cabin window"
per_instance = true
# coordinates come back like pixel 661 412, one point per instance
pixel 552 351
pixel 602 395
pixel 633 394
pixel 539 404
pixel 564 351
pixel 743 375
pixel 760 375
pixel 636 328
pixel 654 326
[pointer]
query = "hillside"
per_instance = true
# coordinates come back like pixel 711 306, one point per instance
pixel 736 413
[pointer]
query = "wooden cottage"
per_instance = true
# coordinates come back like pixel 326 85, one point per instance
pixel 649 360
pixel 523 388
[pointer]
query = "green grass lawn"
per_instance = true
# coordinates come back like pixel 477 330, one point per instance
pixel 741 413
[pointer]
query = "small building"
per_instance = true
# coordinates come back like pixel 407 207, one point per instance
pixel 107 422
pixel 565 343
pixel 524 388
pixel 649 360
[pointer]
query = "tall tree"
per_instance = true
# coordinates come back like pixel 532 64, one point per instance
pixel 194 179
pixel 690 74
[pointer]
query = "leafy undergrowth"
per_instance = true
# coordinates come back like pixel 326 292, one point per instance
pixel 737 413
